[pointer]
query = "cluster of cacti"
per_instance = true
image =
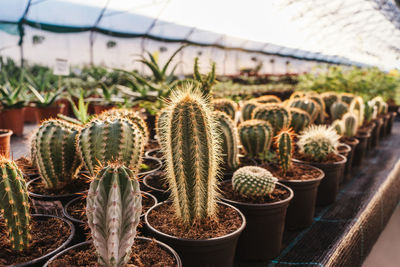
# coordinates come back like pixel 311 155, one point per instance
pixel 113 209
pixel 265 99
pixel 225 105
pixel 206 82
pixel 14 204
pixel 255 136
pixel 247 109
pixel 229 139
pixel 308 105
pixel 338 126
pixel 252 181
pixel 300 119
pixel 191 150
pixel 357 107
pixel 285 148
pixel 338 109
pixel 350 124
pixel 54 153
pixel 318 142
pixel 381 105
pixel 347 97
pixel 369 111
pixel 111 139
pixel 297 94
pixel 278 116
pixel 318 99
pixel 329 98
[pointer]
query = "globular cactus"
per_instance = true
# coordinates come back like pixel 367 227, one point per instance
pixel 229 137
pixel 300 119
pixel 350 124
pixel 247 109
pixel 265 99
pixel 347 97
pixel 252 181
pixel 297 94
pixel 225 105
pixel 357 107
pixel 338 126
pixel 338 109
pixel 369 109
pixel 318 142
pixel 380 104
pixel 112 139
pixel 329 98
pixel 191 152
pixel 255 136
pixel 113 209
pixel 308 105
pixel 285 148
pixel 322 114
pixel 278 116
pixel 55 154
pixel 14 204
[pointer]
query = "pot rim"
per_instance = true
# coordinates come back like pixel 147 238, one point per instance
pixel 343 161
pixel 348 148
pixel 319 178
pixel 158 167
pixel 6 132
pixel 144 181
pixel 32 194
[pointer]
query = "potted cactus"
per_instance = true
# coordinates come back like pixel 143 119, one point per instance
pixel 12 114
pixel 225 105
pixel 5 138
pixel 365 127
pixel 202 230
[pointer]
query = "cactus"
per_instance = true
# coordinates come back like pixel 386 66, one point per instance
pixel 247 109
pixel 347 97
pixel 278 116
pixel 14 204
pixel 297 94
pixel 338 126
pixel 338 109
pixel 300 119
pixel 206 82
pixel 265 99
pixel 285 148
pixel 322 114
pixel 191 151
pixel 119 139
pixel 308 105
pixel 329 98
pixel 368 112
pixel 228 132
pixel 55 154
pixel 350 124
pixel 255 136
pixel 225 105
pixel 252 181
pixel 357 107
pixel 318 141
pixel 113 209
pixel 160 118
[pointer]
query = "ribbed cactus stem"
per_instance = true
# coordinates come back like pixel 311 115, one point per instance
pixel 278 116
pixel 338 126
pixel 338 109
pixel 322 114
pixel 265 99
pixel 252 181
pixel 357 107
pixel 255 136
pixel 300 119
pixel 113 209
pixel 285 148
pixel 247 109
pixel 160 121
pixel 14 204
pixel 347 97
pixel 308 105
pixel 350 124
pixel 329 98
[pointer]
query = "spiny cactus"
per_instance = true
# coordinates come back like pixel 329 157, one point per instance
pixel 278 116
pixel 265 99
pixel 369 109
pixel 380 104
pixel 191 150
pixel 161 116
pixel 338 126
pixel 347 97
pixel 252 181
pixel 55 154
pixel 350 124
pixel 112 139
pixel 285 148
pixel 229 137
pixel 255 136
pixel 206 82
pixel 113 208
pixel 225 105
pixel 300 119
pixel 14 204
pixel 308 105
pixel 338 109
pixel 297 94
pixel 247 109
pixel 357 107
pixel 322 114
pixel 329 98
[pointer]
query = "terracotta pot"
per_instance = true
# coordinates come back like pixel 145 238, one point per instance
pixel 30 115
pixel 65 107
pixel 97 109
pixel 45 113
pixel 5 136
pixel 13 119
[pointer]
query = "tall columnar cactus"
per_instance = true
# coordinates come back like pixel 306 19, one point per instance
pixel 347 97
pixel 225 105
pixel 112 139
pixel 191 150
pixel 265 99
pixel 229 137
pixel 357 107
pixel 247 109
pixel 329 98
pixel 338 109
pixel 285 148
pixel 322 114
pixel 278 116
pixel 300 119
pixel 338 126
pixel 55 153
pixel 14 204
pixel 113 208
pixel 252 181
pixel 318 142
pixel 308 105
pixel 350 124
pixel 255 136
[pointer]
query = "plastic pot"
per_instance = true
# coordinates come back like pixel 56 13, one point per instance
pixel 5 138
pixel 390 122
pixel 375 135
pixel 159 193
pixel 344 150
pixel 13 119
pixel 45 113
pixel 361 148
pixel 384 127
pixel 157 163
pixel 218 251
pixel 353 143
pixel 30 115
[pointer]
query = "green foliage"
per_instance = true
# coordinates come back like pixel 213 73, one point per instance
pixel 45 98
pixel 206 82
pixel 225 105
pixel 278 116
pixel 11 97
pixel 252 181
pixel 285 148
pixel 80 111
pixel 255 136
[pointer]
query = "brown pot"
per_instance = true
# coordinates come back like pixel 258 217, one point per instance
pixel 13 119
pixel 65 106
pixel 97 109
pixel 45 113
pixel 30 115
pixel 5 135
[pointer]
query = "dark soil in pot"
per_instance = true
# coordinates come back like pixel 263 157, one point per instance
pixel 244 160
pixel 149 165
pixel 27 169
pixel 352 142
pixel 262 238
pixel 151 145
pixel 156 185
pixel 361 148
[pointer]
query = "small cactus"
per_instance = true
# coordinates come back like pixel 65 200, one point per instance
pixel 285 148
pixel 266 99
pixel 247 109
pixel 252 181
pixel 338 126
pixel 225 105
pixel 14 204
pixel 308 105
pixel 329 98
pixel 300 119
pixel 255 136
pixel 113 209
pixel 357 107
pixel 347 97
pixel 350 124
pixel 338 109
pixel 278 116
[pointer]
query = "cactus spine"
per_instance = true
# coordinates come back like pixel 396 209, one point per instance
pixel 285 148
pixel 278 116
pixel 252 181
pixel 113 209
pixel 225 105
pixel 255 136
pixel 357 107
pixel 161 116
pixel 247 109
pixel 55 153
pixel 14 204
pixel 338 109
pixel 265 99
pixel 308 105
pixel 300 119
pixel 112 139
pixel 350 124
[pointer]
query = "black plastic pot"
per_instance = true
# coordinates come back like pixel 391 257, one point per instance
pixel 159 193
pixel 156 161
pixel 217 251
pixel 384 127
pixel 391 121
pixel 329 186
pixel 344 150
pixel 350 156
pixel 84 245
pixel 375 135
pixel 361 148
pixel 41 260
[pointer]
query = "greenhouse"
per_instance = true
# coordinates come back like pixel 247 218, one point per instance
pixel 186 133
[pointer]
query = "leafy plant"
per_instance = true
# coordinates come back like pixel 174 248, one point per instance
pixel 11 96
pixel 45 98
pixel 80 111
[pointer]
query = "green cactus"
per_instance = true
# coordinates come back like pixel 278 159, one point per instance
pixel 338 126
pixel 329 98
pixel 285 148
pixel 113 209
pixel 252 181
pixel 350 124
pixel 368 112
pixel 308 105
pixel 191 151
pixel 160 121
pixel 265 99
pixel 247 109
pixel 322 115
pixel 112 139
pixel 255 136
pixel 229 137
pixel 318 141
pixel 55 154
pixel 206 82
pixel 225 105
pixel 14 204
pixel 338 109
pixel 300 119
pixel 278 116
pixel 347 97
pixel 357 107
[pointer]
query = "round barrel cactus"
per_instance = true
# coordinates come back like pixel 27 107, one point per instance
pixel 338 109
pixel 278 116
pixel 265 99
pixel 308 105
pixel 252 181
pixel 255 136
pixel 300 119
pixel 329 98
pixel 225 105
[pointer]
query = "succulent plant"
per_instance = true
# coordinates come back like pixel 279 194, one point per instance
pixel 255 136
pixel 252 181
pixel 308 105
pixel 318 141
pixel 347 97
pixel 54 153
pixel 229 137
pixel 191 151
pixel 111 139
pixel 225 105
pixel 14 204
pixel 329 98
pixel 338 109
pixel 265 99
pixel 350 124
pixel 113 208
pixel 357 107
pixel 285 148
pixel 160 121
pixel 278 116
pixel 247 109
pixel 322 114
pixel 297 94
pixel 338 126
pixel 369 110
pixel 300 119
